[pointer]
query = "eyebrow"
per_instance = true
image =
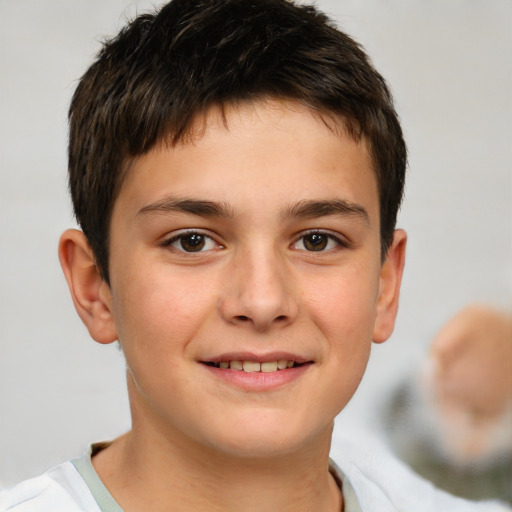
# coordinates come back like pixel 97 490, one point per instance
pixel 323 208
pixel 302 209
pixel 203 208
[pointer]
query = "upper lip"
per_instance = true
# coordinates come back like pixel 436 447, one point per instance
pixel 260 358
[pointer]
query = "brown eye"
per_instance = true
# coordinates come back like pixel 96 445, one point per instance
pixel 318 241
pixel 315 242
pixel 193 242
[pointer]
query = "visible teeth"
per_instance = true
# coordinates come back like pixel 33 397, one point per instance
pixel 251 366
pixel 236 365
pixel 269 367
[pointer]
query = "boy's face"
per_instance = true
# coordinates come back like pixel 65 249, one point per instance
pixel 257 241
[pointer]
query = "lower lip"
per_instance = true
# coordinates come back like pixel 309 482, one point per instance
pixel 258 381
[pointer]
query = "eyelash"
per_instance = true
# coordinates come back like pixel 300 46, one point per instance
pixel 181 237
pixel 203 240
pixel 329 237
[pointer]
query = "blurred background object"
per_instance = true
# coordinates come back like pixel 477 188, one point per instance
pixel 452 420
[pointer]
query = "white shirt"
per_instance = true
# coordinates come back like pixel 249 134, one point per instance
pixel 372 481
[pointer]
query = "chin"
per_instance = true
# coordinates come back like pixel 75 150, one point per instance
pixel 258 446
pixel 264 436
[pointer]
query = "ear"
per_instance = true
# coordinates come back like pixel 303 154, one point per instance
pixel 389 291
pixel 90 293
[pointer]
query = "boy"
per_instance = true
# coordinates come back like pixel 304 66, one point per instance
pixel 236 167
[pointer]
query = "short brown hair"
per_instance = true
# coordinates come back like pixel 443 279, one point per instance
pixel 162 69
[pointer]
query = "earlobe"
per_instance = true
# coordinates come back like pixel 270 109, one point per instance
pixel 90 293
pixel 389 291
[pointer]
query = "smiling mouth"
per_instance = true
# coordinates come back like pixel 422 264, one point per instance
pixel 254 366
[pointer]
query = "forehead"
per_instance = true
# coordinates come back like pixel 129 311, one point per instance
pixel 275 151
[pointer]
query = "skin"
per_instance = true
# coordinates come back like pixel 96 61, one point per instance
pixel 199 441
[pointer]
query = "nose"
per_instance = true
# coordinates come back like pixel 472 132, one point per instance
pixel 259 291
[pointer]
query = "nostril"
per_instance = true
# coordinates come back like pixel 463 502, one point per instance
pixel 243 318
pixel 281 318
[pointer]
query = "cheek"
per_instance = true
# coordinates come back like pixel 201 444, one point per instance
pixel 158 319
pixel 343 304
pixel 159 313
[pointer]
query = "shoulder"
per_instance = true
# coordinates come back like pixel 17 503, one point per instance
pixel 61 489
pixel 383 483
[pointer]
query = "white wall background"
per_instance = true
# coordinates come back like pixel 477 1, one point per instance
pixel 450 67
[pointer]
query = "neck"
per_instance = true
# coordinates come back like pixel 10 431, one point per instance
pixel 145 470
